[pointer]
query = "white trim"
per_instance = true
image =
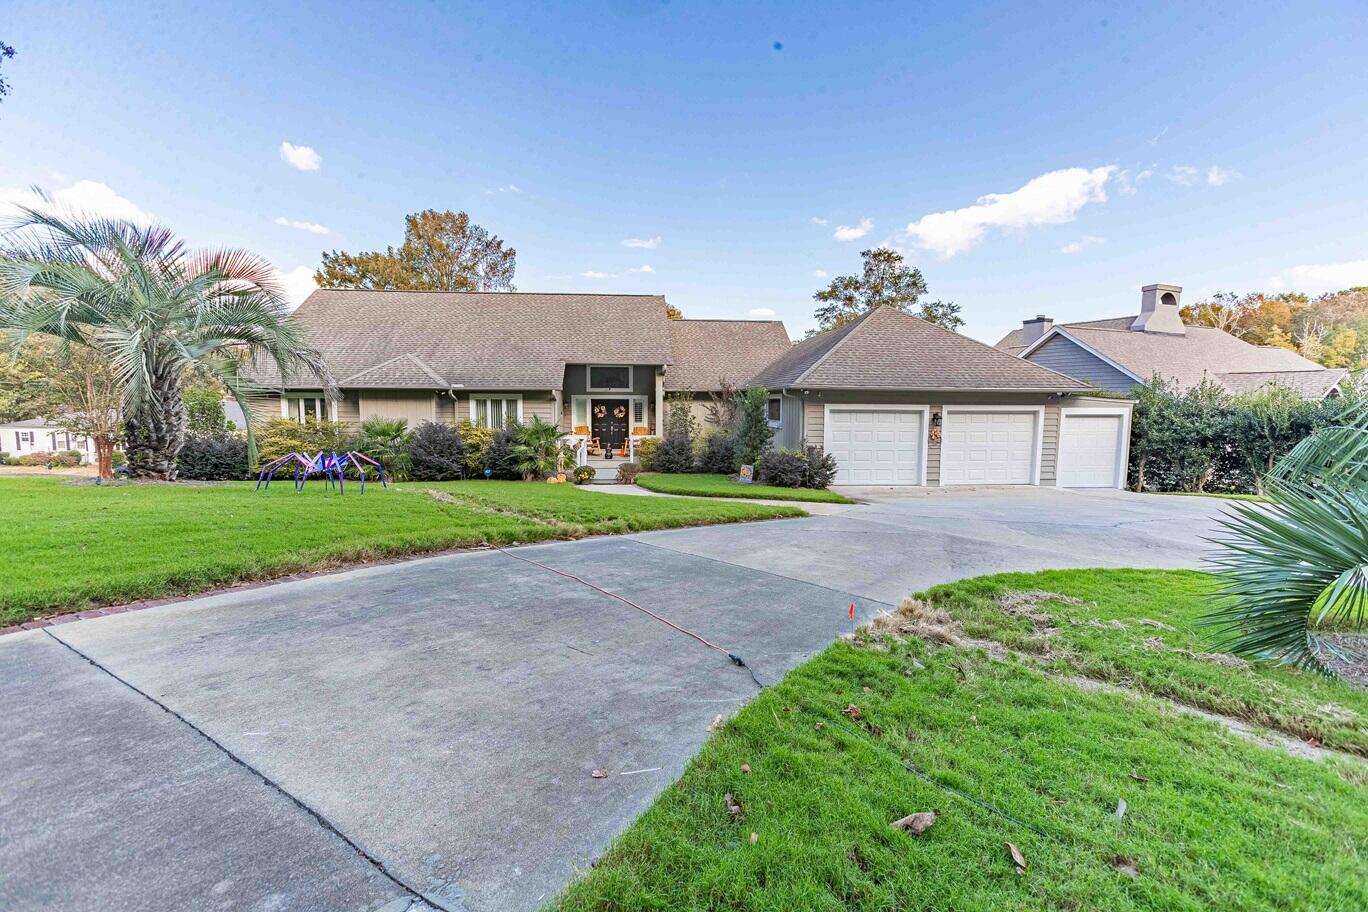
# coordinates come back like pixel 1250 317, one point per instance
pixel 1057 331
pixel 828 407
pixel 487 396
pixel 1123 462
pixel 325 406
pixel 589 372
pixel 1039 411
pixel 631 400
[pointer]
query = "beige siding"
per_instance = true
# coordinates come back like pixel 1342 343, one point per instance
pixel 348 408
pixel 265 408
pixel 1049 446
pixel 446 410
pixel 416 406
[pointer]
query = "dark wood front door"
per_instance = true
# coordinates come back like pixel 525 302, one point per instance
pixel 608 420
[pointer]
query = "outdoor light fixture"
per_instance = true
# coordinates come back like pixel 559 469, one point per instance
pixel 935 419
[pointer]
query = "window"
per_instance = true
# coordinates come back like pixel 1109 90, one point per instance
pixel 581 414
pixel 495 411
pixel 305 408
pixel 638 413
pixel 775 412
pixel 23 438
pixel 606 378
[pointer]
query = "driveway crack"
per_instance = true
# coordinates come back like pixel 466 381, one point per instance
pixel 415 896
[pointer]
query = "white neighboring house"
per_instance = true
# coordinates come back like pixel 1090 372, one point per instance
pixel 38 435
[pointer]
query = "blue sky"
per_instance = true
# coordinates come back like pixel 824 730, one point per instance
pixel 1049 158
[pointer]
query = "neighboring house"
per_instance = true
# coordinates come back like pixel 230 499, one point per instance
pixel 897 400
pixel 38 435
pixel 1121 352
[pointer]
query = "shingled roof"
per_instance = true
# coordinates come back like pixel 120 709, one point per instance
pixel 1201 352
pixel 708 352
pixel 475 340
pixel 885 348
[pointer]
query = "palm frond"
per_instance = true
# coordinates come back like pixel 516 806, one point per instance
pixel 1336 457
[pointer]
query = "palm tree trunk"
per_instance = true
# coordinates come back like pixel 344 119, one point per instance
pixel 155 429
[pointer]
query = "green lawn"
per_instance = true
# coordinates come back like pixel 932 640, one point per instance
pixel 724 486
pixel 1258 498
pixel 1103 638
pixel 70 547
pixel 1213 821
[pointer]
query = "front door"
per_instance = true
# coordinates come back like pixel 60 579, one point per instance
pixel 608 422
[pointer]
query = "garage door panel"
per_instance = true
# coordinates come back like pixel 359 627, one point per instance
pixel 875 446
pixel 1090 450
pixel 988 447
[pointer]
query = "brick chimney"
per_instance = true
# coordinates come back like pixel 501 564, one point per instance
pixel 1159 310
pixel 1032 330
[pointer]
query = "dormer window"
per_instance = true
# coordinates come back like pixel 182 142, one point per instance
pixel 610 378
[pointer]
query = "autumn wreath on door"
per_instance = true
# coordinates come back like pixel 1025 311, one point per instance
pixel 620 412
pixel 600 411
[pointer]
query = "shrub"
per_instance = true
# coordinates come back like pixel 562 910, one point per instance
pixel 782 468
pixel 538 448
pixel 584 474
pixel 627 472
pixel 212 458
pixel 118 459
pixel 646 452
pixel 821 468
pixel 436 453
pixel 674 455
pixel 281 436
pixel 204 415
pixel 476 440
pixel 386 441
pixel 718 453
pixel 753 433
pixel 679 416
pixel 500 457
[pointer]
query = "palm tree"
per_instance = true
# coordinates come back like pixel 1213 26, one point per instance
pixel 153 309
pixel 538 448
pixel 1298 565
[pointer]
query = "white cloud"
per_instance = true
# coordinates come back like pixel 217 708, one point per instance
pixel 311 227
pixel 1154 140
pixel 85 198
pixel 1087 240
pixel 1315 278
pixel 297 284
pixel 301 158
pixel 853 232
pixel 819 221
pixel 761 312
pixel 591 274
pixel 1050 199
pixel 641 269
pixel 506 188
pixel 820 273
pixel 1184 175
pixel 643 243
pixel 1218 176
pixel 1128 184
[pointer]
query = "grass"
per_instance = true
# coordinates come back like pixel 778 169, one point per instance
pixel 1214 821
pixel 1103 638
pixel 1258 498
pixel 71 547
pixel 712 485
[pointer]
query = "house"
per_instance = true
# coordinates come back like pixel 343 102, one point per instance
pixel 1121 352
pixel 897 400
pixel 38 435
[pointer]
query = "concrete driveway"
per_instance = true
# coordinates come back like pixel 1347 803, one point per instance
pixel 422 734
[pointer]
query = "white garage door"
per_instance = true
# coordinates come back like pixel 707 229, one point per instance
pixel 1089 451
pixel 988 448
pixel 874 446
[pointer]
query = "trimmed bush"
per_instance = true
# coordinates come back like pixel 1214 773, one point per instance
pixel 33 459
pixel 782 468
pixel 584 474
pixel 477 440
pixel 212 458
pixel 501 456
pixel 821 468
pixel 436 453
pixel 646 452
pixel 675 455
pixel 627 472
pixel 718 453
pixel 281 436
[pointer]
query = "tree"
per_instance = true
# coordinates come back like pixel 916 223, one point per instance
pixel 442 251
pixel 74 388
pixel 152 310
pixel 20 389
pixel 885 282
pixel 753 433
pixel 6 53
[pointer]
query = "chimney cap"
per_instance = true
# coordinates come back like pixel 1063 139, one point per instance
pixel 1162 286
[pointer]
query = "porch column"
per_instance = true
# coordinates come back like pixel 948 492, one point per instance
pixel 660 403
pixel 559 412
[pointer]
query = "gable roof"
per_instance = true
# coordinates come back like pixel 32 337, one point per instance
pixel 885 348
pixel 706 352
pixel 475 340
pixel 1201 352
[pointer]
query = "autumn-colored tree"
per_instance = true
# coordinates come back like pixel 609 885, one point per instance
pixel 442 251
pixel 885 282
pixel 1331 329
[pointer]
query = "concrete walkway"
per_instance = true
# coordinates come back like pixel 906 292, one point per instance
pixel 423 734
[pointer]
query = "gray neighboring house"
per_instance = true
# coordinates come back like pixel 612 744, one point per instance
pixel 1121 352
pixel 897 400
